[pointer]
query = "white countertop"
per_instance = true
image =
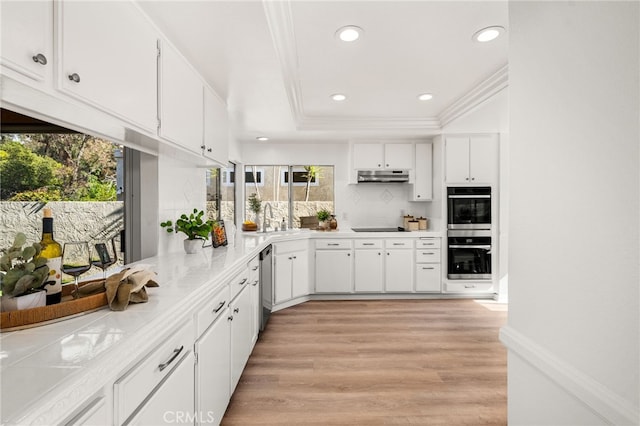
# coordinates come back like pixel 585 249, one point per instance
pixel 48 371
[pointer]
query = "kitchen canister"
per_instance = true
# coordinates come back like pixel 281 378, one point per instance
pixel 414 225
pixel 407 218
pixel 422 223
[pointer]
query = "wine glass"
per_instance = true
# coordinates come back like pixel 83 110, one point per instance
pixel 76 260
pixel 104 256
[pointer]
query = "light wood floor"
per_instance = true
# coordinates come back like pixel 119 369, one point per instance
pixel 421 362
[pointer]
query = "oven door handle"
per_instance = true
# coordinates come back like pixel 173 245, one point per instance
pixel 460 246
pixel 469 196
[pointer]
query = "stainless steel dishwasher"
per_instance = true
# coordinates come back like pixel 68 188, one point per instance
pixel 266 284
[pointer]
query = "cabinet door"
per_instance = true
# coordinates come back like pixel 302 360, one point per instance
pixel 399 270
pixel 300 274
pixel 333 271
pixel 398 156
pixel 256 309
pixel 368 156
pixel 241 334
pixel 483 158
pixel 368 271
pixel 216 128
pixel 26 33
pixel 428 277
pixel 282 277
pixel 181 101
pixel 423 178
pixel 457 159
pixel 172 400
pixel 108 58
pixel 212 369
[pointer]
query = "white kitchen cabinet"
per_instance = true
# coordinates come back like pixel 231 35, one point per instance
pixel 399 265
pixel 254 282
pixel 471 159
pixel 334 266
pixel 382 156
pixel 181 101
pixel 469 287
pixel 163 381
pixel 423 173
pixel 216 128
pixel 107 57
pixel 368 266
pixel 428 265
pixel 291 270
pixel 241 317
pixel 213 357
pixel 27 38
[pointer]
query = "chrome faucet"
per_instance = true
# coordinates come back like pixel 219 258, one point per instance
pixel 264 215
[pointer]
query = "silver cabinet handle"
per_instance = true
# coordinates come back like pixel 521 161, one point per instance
pixel 290 258
pixel 348 254
pixel 74 77
pixel 469 286
pixel 255 268
pixel 418 195
pixel 230 318
pixel 202 147
pixel 220 306
pixel 243 281
pixel 40 58
pixel 379 254
pixel 428 253
pixel 333 244
pixel 428 267
pixel 236 310
pixel 368 244
pixel 461 246
pixel 175 354
pixel 295 257
pixel 398 244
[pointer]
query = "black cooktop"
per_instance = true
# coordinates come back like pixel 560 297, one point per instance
pixel 396 229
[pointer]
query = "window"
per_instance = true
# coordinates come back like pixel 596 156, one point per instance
pixel 310 189
pixel 221 194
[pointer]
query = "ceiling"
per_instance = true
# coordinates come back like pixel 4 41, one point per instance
pixel 276 63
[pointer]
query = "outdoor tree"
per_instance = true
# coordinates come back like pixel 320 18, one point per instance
pixel 312 173
pixel 22 170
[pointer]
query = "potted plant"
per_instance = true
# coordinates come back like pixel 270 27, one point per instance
pixel 254 205
pixel 323 216
pixel 22 273
pixel 194 227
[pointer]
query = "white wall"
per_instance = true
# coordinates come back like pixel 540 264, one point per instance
pixel 573 327
pixel 356 205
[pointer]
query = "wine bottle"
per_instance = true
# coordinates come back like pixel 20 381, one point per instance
pixel 52 251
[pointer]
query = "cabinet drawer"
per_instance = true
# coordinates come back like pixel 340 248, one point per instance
pixel 399 243
pixel 368 244
pixel 333 244
pixel 467 287
pixel 212 310
pixel 132 388
pixel 428 243
pixel 289 246
pixel 254 270
pixel 428 256
pixel 238 282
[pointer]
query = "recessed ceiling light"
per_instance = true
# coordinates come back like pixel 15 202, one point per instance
pixel 488 34
pixel 338 97
pixel 425 97
pixel 262 138
pixel 349 33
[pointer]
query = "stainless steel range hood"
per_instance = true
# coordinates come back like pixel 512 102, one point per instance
pixel 383 176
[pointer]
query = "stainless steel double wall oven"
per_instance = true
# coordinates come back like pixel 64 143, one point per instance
pixel 469 233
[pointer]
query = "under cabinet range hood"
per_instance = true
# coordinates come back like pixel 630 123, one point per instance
pixel 383 176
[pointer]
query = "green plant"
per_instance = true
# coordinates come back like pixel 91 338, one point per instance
pixel 193 226
pixel 323 215
pixel 22 269
pixel 254 203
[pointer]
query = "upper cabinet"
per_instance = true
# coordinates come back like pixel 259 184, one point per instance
pixel 27 38
pixel 423 173
pixel 216 128
pixel 107 57
pixel 471 159
pixel 382 156
pixel 181 101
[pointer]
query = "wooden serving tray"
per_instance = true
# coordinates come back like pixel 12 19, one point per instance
pixel 66 309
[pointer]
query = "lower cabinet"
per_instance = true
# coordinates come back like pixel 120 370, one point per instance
pixel 428 277
pixel 241 318
pixel 212 370
pixel 368 266
pixel 399 265
pixel 291 271
pixel 334 266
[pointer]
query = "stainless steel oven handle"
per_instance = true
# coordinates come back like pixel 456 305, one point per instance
pixel 469 196
pixel 456 246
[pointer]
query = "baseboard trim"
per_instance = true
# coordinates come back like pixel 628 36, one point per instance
pixel 597 398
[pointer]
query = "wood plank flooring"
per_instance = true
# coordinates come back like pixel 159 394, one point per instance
pixel 421 362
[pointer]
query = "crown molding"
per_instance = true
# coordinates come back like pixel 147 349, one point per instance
pixel 280 21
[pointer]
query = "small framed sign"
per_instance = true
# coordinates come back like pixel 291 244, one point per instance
pixel 219 234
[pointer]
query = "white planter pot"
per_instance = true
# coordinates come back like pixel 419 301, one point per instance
pixel 27 301
pixel 192 246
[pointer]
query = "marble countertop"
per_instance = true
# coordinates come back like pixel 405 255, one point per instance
pixel 47 372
